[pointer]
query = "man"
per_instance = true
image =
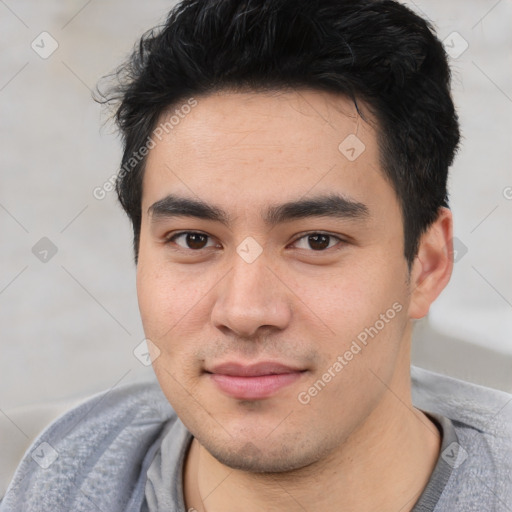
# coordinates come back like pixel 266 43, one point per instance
pixel 284 170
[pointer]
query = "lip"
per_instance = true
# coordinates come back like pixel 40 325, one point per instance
pixel 253 381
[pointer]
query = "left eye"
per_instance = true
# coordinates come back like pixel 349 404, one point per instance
pixel 190 240
pixel 316 241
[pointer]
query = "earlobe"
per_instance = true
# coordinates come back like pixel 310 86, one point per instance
pixel 433 265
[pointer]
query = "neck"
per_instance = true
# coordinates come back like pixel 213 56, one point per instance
pixel 384 465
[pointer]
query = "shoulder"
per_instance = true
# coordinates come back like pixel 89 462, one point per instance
pixel 93 452
pixel 481 476
pixel 486 409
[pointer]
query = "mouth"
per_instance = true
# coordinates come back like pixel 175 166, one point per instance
pixel 254 381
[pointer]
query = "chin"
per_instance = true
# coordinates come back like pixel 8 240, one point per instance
pixel 265 457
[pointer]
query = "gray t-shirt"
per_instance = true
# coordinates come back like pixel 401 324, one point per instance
pixel 164 486
pixel 123 451
pixel 448 489
pixel 446 461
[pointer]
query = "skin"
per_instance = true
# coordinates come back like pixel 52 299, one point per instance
pixel 359 441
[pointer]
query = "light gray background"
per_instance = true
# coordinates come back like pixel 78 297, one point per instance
pixel 69 326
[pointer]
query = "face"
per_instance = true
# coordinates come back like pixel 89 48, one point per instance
pixel 271 277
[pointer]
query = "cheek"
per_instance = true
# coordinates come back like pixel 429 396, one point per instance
pixel 173 304
pixel 357 361
pixel 365 312
pixel 349 298
pixel 162 301
pixel 152 302
pixel 170 311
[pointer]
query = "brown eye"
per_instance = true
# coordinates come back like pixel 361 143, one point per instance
pixel 190 240
pixel 318 242
pixel 196 240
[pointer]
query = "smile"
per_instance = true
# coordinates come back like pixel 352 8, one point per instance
pixel 253 382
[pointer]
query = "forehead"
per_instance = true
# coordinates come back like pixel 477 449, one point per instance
pixel 282 120
pixel 267 147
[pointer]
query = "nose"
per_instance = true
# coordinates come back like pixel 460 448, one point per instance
pixel 251 298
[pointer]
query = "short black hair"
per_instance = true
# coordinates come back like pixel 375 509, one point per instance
pixel 377 53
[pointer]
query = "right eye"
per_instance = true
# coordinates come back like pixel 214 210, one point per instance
pixel 190 240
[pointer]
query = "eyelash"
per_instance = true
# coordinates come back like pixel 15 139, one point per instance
pixel 170 239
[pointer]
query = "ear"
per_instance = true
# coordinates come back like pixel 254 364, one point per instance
pixel 433 265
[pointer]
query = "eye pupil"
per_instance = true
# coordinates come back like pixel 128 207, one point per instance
pixel 196 240
pixel 318 242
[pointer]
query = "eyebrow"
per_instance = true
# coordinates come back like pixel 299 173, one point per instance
pixel 332 205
